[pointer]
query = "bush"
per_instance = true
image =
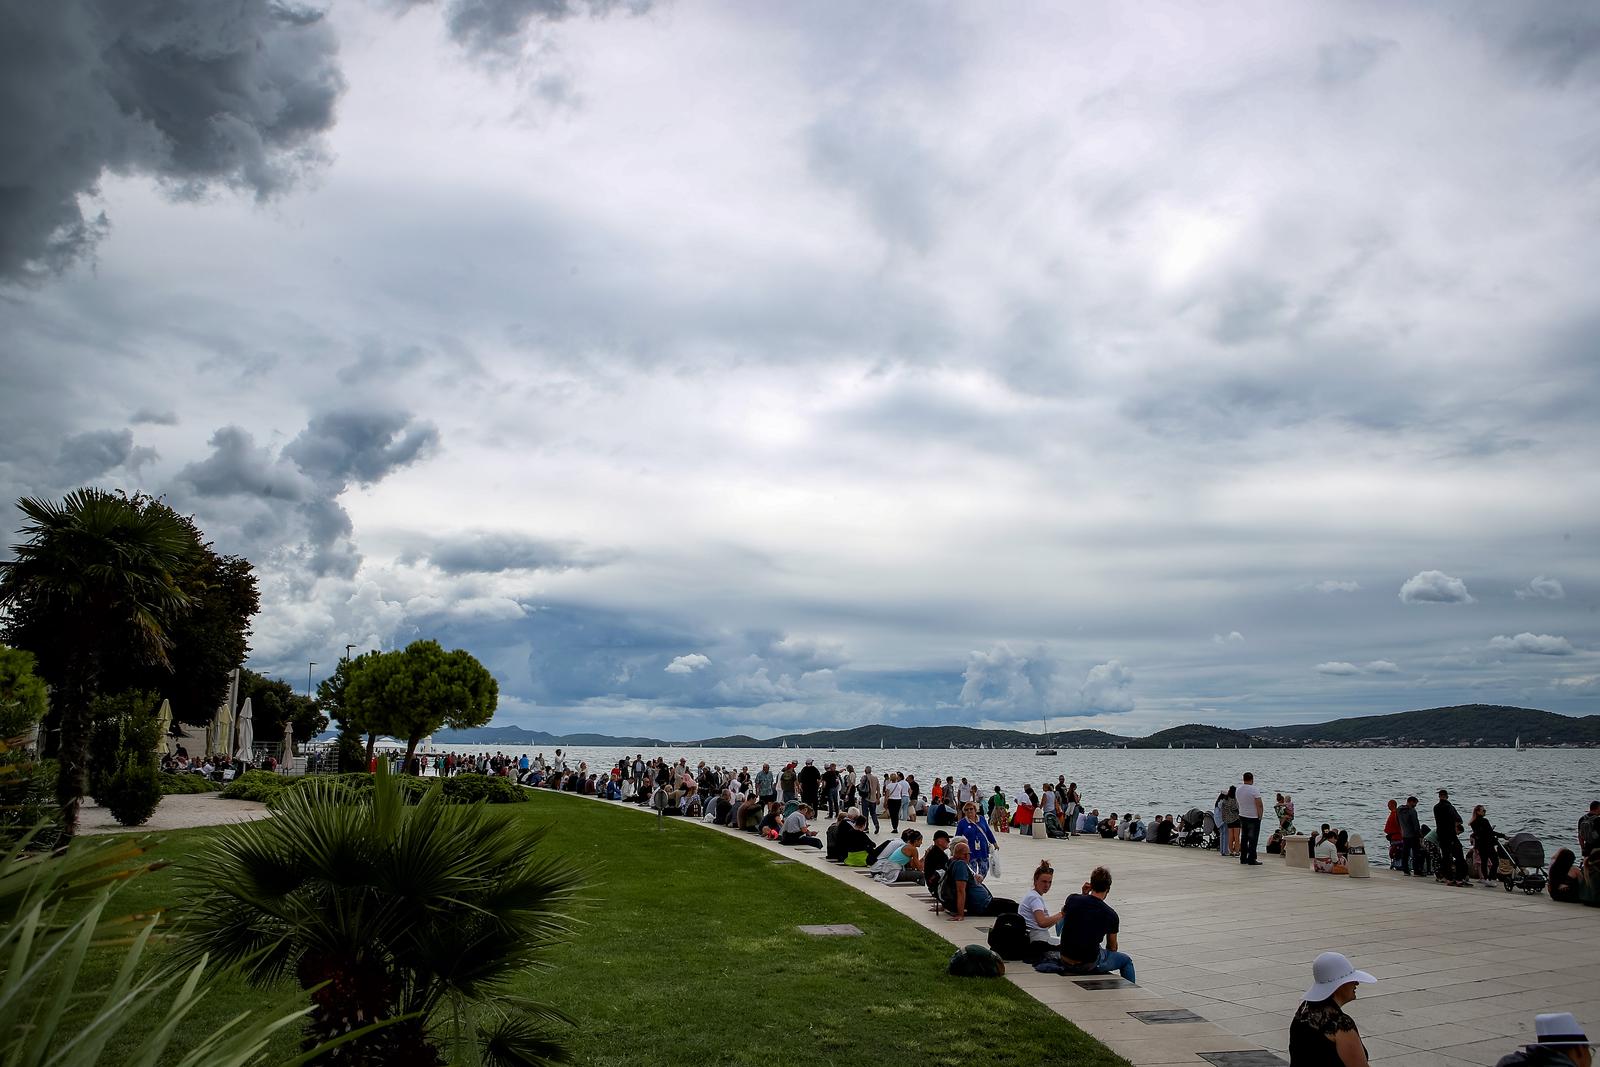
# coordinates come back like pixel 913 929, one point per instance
pixel 471 788
pixel 185 783
pixel 124 729
pixel 260 786
pixel 27 800
pixel 23 698
pixel 132 793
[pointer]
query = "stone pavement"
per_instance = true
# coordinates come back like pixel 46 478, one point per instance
pixel 1461 972
pixel 180 811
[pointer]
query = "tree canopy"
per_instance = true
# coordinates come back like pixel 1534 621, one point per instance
pixel 23 701
pixel 417 691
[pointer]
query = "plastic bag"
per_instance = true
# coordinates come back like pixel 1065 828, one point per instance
pixel 994 865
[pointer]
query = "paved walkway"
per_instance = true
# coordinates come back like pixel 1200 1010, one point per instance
pixel 180 811
pixel 1461 971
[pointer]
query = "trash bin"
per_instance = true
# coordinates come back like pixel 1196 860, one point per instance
pixel 1297 851
pixel 1356 859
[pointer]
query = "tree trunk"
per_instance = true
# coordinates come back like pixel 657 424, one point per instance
pixel 372 743
pixel 73 756
pixel 411 750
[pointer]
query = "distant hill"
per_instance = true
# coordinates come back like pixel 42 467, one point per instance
pixel 1487 725
pixel 1471 724
pixel 1195 735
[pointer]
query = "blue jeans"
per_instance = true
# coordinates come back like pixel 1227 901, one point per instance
pixel 1114 961
pixel 870 810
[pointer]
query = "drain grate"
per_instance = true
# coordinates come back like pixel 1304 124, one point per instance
pixel 1167 1015
pixel 1257 1058
pixel 839 930
pixel 776 862
pixel 1104 983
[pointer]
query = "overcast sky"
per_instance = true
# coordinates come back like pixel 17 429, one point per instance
pixel 706 368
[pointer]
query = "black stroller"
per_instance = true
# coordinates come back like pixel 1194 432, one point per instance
pixel 1191 831
pixel 1522 864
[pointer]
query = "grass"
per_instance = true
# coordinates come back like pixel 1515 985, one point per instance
pixel 688 953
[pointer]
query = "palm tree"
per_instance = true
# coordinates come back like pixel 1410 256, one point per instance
pixel 427 915
pixel 97 577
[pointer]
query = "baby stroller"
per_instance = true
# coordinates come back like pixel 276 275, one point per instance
pixel 1522 864
pixel 1191 832
pixel 1208 831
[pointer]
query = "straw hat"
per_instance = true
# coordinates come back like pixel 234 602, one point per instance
pixel 1330 971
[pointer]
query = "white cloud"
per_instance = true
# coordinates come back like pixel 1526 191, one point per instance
pixel 1337 667
pixel 1542 588
pixel 1434 587
pixel 694 661
pixel 1108 687
pixel 1532 644
pixel 1232 637
pixel 1382 666
pixel 1333 585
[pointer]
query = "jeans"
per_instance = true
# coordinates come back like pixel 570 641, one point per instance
pixel 1454 867
pixel 870 810
pixel 1249 833
pixel 833 801
pixel 1116 961
pixel 1411 856
pixel 1222 838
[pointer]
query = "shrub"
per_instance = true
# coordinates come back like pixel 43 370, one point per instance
pixel 471 788
pixel 124 728
pixel 260 786
pixel 132 793
pixel 186 783
pixel 28 800
pixel 23 698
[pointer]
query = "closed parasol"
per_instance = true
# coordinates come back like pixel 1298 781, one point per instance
pixel 247 732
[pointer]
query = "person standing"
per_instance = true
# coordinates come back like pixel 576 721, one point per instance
pixel 830 789
pixel 869 797
pixel 1410 838
pixel 1447 825
pixel 766 785
pixel 895 793
pixel 1484 836
pixel 1589 829
pixel 787 781
pixel 810 782
pixel 1391 833
pixel 1251 810
pixel 913 794
pixel 1230 817
pixel 847 785
pixel 980 838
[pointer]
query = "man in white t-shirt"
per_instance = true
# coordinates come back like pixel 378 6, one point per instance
pixel 1251 808
pixel 1043 924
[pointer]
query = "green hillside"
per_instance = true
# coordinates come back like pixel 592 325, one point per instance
pixel 1195 735
pixel 1474 724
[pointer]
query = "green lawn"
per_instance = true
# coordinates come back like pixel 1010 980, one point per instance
pixel 688 953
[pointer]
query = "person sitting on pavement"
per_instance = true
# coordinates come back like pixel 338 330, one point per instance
pixel 899 861
pixel 797 828
pixel 1086 921
pixel 772 821
pixel 936 860
pixel 1321 1032
pixel 1566 877
pixel 748 818
pixel 1561 1043
pixel 1125 827
pixel 1164 832
pixel 1044 926
pixel 853 837
pixel 1108 826
pixel 962 887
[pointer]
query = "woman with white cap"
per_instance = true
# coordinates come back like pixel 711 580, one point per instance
pixel 1321 1033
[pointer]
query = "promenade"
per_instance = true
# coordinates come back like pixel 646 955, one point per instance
pixel 1461 972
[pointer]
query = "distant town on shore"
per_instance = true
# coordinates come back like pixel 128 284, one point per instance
pixel 1461 726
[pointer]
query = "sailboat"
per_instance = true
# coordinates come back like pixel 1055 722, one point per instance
pixel 1519 743
pixel 1046 749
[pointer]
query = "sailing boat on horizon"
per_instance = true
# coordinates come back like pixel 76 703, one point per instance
pixel 1046 749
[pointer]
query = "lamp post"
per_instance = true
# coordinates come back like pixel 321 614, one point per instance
pixel 309 665
pixel 347 649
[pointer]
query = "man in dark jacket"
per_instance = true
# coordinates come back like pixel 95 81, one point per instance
pixel 1447 824
pixel 1410 837
pixel 1562 1043
pixel 810 778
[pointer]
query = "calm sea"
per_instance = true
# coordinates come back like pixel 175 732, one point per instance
pixel 1541 790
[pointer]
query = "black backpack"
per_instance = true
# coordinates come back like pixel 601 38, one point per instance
pixel 1009 936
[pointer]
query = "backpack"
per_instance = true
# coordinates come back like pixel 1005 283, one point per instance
pixel 1009 936
pixel 975 961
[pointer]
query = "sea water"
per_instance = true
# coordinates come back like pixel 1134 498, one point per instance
pixel 1543 791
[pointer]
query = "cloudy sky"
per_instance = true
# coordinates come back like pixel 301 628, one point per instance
pixel 712 367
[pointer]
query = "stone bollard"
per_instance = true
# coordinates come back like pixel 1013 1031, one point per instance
pixel 1297 851
pixel 1356 860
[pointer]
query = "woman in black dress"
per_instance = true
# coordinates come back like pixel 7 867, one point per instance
pixel 1321 1034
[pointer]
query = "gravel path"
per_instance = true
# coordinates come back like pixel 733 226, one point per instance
pixel 177 812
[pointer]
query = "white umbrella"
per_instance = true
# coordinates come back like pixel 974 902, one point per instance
pixel 164 727
pixel 288 743
pixel 220 732
pixel 247 732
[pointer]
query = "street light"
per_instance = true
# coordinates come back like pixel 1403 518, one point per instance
pixel 309 665
pixel 347 649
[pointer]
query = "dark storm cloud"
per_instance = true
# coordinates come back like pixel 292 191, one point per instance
pixel 237 467
pixel 492 552
pixel 191 92
pixel 147 416
pixel 87 456
pixel 336 450
pixel 490 26
pixel 361 446
pixel 1555 41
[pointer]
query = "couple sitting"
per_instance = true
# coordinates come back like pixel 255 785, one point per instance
pixel 1074 934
